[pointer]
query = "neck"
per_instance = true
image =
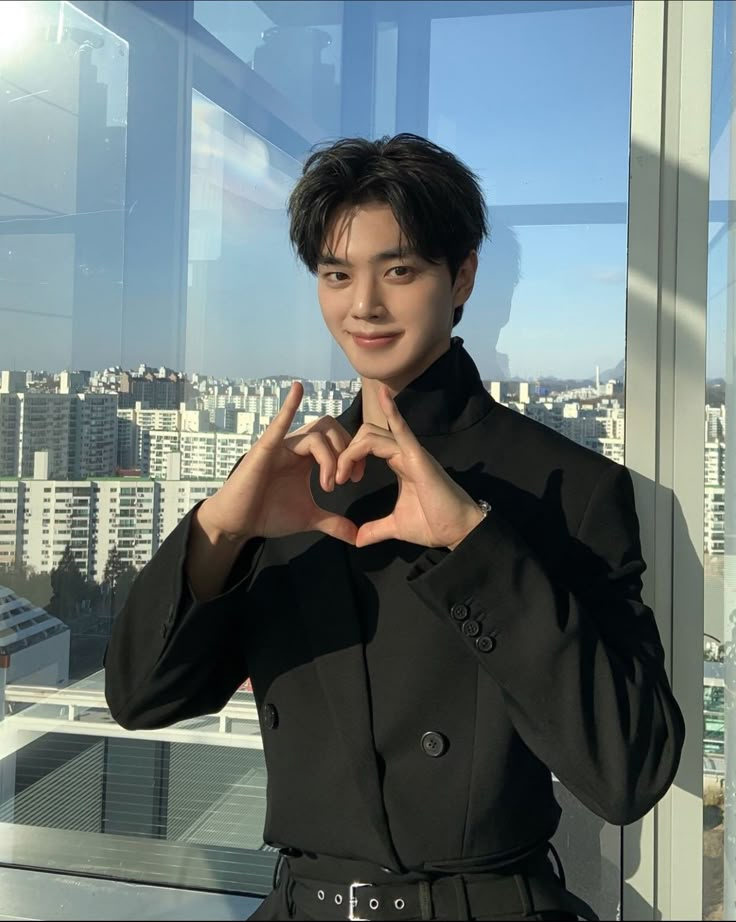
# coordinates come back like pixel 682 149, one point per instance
pixel 372 412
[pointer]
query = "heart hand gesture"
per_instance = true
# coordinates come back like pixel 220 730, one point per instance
pixel 431 510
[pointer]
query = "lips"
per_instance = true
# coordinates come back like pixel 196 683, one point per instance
pixel 373 340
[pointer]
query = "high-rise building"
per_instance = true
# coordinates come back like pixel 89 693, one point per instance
pixel 39 518
pixel 12 382
pixel 78 431
pixel 157 392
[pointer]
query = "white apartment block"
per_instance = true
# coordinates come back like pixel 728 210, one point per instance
pixel 203 455
pixel 325 405
pixel 198 455
pixel 715 445
pixel 229 448
pixel 125 514
pixel 136 447
pixel 176 498
pixel 714 528
pixel 155 451
pixel 715 423
pixel 47 422
pixel 9 431
pixel 11 520
pixel 13 382
pixel 247 423
pixel 97 415
pixel 715 463
pixel 39 518
pixel 264 398
pixel 78 431
pixel 715 480
pixel 56 513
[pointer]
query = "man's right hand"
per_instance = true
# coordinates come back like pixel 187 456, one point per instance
pixel 268 494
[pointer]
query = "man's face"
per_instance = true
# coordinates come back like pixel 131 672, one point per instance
pixel 390 312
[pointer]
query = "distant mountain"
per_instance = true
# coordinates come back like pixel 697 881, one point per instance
pixel 616 374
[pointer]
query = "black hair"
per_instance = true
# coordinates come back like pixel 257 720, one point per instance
pixel 436 199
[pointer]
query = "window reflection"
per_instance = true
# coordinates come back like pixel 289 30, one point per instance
pixel 217 319
pixel 296 49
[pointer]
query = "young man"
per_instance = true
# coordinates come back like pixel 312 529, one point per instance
pixel 437 599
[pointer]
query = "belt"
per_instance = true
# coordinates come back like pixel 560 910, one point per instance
pixel 458 896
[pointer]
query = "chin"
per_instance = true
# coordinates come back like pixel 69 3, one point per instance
pixel 379 368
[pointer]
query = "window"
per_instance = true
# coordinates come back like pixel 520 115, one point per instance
pixel 719 873
pixel 144 242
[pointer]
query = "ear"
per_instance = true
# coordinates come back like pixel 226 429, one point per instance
pixel 465 279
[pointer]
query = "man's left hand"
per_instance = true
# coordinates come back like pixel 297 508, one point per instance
pixel 431 509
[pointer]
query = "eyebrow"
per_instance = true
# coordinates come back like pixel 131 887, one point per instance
pixel 395 253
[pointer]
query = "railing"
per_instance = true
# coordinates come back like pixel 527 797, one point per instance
pixel 84 711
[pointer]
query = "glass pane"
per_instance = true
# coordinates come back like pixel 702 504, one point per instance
pixel 718 529
pixel 537 102
pixel 295 48
pixel 153 316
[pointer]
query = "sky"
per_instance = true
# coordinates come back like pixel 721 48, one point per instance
pixel 536 103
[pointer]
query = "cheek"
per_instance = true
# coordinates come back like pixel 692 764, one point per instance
pixel 330 305
pixel 429 313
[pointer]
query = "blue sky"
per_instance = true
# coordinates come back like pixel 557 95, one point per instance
pixel 537 103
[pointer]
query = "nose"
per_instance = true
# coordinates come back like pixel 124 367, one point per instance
pixel 367 302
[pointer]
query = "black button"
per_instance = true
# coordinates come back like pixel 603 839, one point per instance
pixel 459 612
pixel 270 716
pixel 471 628
pixel 485 644
pixel 434 744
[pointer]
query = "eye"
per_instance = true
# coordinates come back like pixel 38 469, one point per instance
pixel 333 276
pixel 402 271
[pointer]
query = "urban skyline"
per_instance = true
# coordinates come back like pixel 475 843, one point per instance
pixel 74 443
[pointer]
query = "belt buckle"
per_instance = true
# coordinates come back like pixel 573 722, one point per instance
pixel 353 901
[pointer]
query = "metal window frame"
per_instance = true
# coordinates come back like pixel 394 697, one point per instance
pixel 665 381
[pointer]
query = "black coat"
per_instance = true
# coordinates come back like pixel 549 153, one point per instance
pixel 414 701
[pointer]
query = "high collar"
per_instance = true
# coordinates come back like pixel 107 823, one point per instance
pixel 447 397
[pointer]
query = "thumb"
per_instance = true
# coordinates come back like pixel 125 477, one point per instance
pixel 337 526
pixel 378 530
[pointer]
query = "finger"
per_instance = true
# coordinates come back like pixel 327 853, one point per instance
pixel 338 437
pixel 281 423
pixel 321 449
pixel 373 532
pixel 358 470
pixel 396 422
pixel 336 434
pixel 334 525
pixel 382 446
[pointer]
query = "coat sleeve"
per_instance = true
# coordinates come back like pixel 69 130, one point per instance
pixel 169 657
pixel 576 654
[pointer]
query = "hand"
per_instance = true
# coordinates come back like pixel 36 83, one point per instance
pixel 431 509
pixel 268 493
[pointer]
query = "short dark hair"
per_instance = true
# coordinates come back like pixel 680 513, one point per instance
pixel 436 199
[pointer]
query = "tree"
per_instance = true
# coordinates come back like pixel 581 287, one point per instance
pixel 116 581
pixel 26 583
pixel 69 589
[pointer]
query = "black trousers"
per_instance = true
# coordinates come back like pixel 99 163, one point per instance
pixel 308 887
